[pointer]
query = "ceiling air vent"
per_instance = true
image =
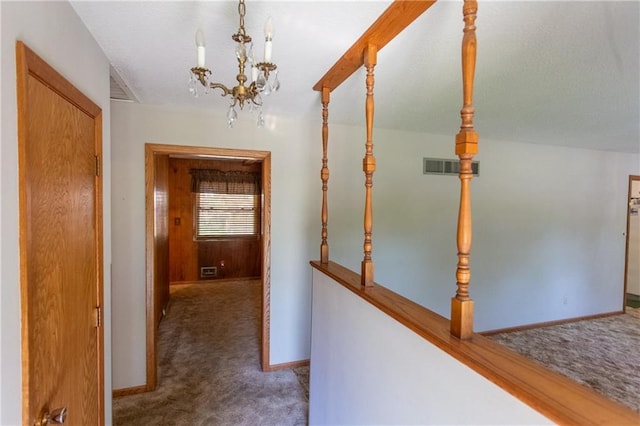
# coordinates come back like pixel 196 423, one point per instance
pixel 444 166
pixel 120 91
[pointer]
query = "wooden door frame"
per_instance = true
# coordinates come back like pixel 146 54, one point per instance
pixel 28 63
pixel 632 178
pixel 151 150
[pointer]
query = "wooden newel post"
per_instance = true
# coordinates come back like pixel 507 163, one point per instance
pixel 466 148
pixel 369 166
pixel 324 175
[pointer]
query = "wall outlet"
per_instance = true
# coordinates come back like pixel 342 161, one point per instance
pixel 564 300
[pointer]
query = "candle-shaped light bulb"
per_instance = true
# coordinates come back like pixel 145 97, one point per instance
pixel 268 28
pixel 200 45
pixel 268 37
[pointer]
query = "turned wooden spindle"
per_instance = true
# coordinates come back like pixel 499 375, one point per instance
pixel 324 175
pixel 369 166
pixel 466 147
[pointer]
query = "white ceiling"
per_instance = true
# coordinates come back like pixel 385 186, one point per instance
pixel 561 73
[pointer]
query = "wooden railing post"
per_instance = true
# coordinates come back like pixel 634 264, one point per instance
pixel 324 175
pixel 466 147
pixel 369 166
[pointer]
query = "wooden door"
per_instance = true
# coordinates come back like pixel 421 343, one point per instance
pixel 59 132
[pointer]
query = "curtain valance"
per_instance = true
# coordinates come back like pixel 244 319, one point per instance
pixel 220 182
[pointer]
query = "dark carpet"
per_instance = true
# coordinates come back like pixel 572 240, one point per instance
pixel 209 365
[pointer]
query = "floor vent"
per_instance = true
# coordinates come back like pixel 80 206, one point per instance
pixel 444 166
pixel 208 272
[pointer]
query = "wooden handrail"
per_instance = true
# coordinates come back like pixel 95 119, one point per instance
pixel 466 147
pixel 389 24
pixel 324 175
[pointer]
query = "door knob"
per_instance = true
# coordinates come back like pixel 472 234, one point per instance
pixel 57 416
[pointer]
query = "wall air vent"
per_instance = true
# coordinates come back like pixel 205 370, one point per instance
pixel 208 272
pixel 444 166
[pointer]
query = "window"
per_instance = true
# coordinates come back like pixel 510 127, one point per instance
pixel 223 215
pixel 226 204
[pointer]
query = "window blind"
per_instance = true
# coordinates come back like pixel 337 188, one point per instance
pixel 226 204
pixel 226 215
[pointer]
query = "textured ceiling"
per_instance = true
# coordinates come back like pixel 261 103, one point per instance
pixel 561 73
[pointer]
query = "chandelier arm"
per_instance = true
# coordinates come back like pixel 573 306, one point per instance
pixel 225 91
pixel 201 73
pixel 266 68
pixel 253 94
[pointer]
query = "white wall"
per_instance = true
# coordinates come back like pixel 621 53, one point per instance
pixel 633 256
pixel 367 368
pixel 295 220
pixel 548 225
pixel 54 32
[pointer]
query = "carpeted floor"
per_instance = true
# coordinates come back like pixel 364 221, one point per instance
pixel 209 367
pixel 603 354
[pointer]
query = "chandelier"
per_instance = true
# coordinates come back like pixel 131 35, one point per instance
pixel 260 84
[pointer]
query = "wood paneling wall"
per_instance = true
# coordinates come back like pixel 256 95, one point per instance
pixel 183 250
pixel 241 256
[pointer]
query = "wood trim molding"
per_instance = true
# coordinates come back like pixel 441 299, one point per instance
pixel 48 76
pixel 197 151
pixel 548 323
pixel 117 393
pixel 222 280
pixel 553 395
pixel 285 365
pixel 99 223
pixel 152 332
pixel 152 150
pixel 266 262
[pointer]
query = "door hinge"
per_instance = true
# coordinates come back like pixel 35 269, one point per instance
pixel 97 166
pixel 98 314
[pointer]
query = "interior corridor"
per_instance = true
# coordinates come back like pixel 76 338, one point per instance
pixel 209 365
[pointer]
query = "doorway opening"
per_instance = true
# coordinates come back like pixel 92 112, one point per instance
pixel 631 293
pixel 157 238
